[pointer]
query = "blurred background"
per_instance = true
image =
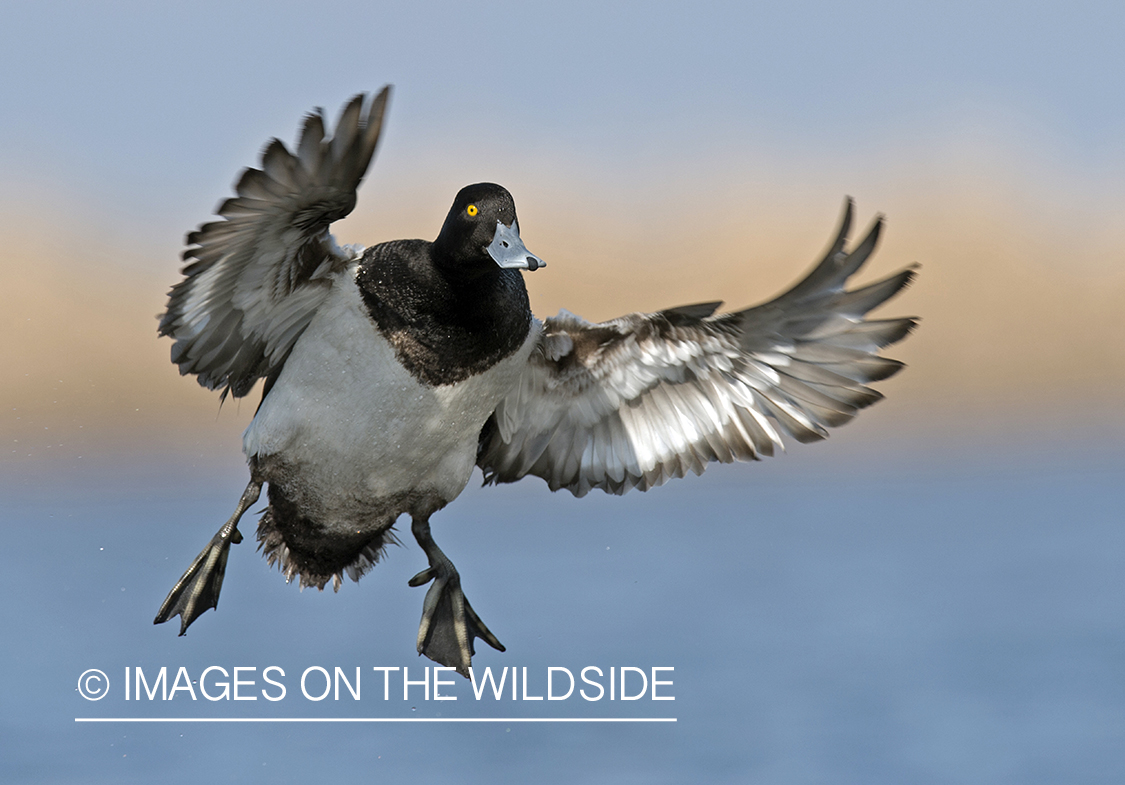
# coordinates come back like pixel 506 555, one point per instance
pixel 931 595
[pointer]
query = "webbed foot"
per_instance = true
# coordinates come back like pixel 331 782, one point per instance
pixel 198 588
pixel 449 624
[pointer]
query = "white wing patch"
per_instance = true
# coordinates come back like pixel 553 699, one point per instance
pixel 633 402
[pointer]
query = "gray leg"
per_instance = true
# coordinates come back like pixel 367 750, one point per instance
pixel 449 623
pixel 198 588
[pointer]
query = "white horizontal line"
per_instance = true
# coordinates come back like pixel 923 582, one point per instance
pixel 375 719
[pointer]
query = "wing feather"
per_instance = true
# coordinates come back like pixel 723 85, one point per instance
pixel 635 401
pixel 254 278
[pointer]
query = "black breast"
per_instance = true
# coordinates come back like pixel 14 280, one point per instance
pixel 443 329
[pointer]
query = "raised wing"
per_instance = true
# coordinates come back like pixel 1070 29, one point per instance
pixel 632 402
pixel 257 276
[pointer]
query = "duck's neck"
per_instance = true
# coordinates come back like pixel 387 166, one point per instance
pixel 444 326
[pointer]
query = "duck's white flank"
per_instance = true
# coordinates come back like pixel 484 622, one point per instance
pixel 356 425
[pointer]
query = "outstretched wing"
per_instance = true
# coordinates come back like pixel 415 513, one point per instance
pixel 256 277
pixel 632 402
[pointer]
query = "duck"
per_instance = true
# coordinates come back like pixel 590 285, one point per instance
pixel 392 372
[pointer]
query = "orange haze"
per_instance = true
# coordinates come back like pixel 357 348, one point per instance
pixel 1022 300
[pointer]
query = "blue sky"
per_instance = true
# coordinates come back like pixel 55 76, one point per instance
pixel 659 153
pixel 134 105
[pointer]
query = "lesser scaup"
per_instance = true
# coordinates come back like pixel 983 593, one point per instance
pixel 392 371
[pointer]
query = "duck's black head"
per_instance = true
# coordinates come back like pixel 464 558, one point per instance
pixel 481 232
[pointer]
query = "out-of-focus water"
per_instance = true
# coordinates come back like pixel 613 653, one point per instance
pixel 880 622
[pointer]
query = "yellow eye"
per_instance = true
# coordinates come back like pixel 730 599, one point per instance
pixel 471 210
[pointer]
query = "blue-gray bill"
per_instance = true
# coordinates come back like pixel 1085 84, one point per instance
pixel 508 250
